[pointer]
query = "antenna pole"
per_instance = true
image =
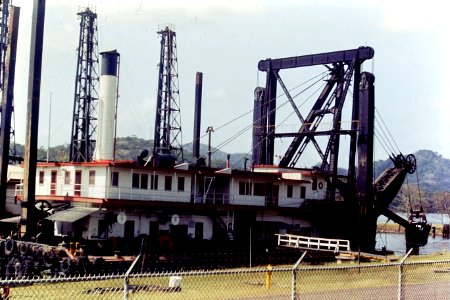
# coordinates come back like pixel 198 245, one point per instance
pixel 49 126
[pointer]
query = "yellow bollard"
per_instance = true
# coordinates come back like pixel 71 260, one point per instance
pixel 4 292
pixel 268 275
pixel 72 248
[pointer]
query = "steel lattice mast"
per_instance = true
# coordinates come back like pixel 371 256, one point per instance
pixel 9 28
pixel 84 124
pixel 167 138
pixel 4 16
pixel 4 31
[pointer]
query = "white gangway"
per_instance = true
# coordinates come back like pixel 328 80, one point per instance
pixel 313 243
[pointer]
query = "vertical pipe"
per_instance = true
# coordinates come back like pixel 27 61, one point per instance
pixel 365 162
pixel 197 116
pixel 107 101
pixel 7 102
pixel 49 126
pixel 116 108
pixel 28 222
pixel 353 200
pixel 355 119
pixel 259 121
pixel 209 130
pixel 271 100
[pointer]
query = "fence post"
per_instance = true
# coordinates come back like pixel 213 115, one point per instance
pixel 294 276
pixel 400 295
pixel 127 274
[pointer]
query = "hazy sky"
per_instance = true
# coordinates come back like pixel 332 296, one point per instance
pixel 225 40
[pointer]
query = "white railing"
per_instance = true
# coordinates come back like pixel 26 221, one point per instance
pixel 18 191
pixel 299 241
pixel 128 193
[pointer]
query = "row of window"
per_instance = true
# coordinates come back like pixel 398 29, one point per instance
pixel 54 173
pixel 141 181
pixel 138 181
pixel 290 191
pixel 259 189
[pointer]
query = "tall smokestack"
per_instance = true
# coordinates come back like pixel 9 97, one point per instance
pixel 104 148
pixel 197 115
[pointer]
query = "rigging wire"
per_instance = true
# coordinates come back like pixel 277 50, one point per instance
pixel 382 144
pixel 387 129
pixel 385 144
pixel 283 104
pixel 282 122
pixel 322 75
pixel 278 107
pixel 408 193
pixel 385 137
pixel 418 186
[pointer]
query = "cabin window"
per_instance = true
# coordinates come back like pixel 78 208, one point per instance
pixel 302 192
pixel 66 177
pixel 153 182
pixel 144 181
pixel 92 177
pixel 180 184
pixel 314 184
pixel 135 180
pixel 259 189
pixel 245 188
pixel 115 179
pixel 41 177
pixel 53 179
pixel 77 186
pixel 290 189
pixel 168 183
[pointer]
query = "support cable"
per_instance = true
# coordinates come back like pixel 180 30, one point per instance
pixel 278 107
pixel 418 186
pixel 282 122
pixel 382 145
pixel 322 75
pixel 386 138
pixel 382 139
pixel 387 129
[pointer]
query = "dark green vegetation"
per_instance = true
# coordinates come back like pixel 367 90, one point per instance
pixel 433 179
pixel 130 147
pixel 433 171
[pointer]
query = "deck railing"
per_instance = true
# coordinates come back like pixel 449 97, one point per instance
pixel 315 243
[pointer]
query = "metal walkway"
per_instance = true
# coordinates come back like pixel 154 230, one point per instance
pixel 312 243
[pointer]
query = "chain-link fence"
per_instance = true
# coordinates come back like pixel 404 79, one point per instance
pixel 399 280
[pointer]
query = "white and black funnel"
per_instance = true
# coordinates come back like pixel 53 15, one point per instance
pixel 104 148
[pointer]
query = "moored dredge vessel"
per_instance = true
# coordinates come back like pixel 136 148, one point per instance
pixel 98 210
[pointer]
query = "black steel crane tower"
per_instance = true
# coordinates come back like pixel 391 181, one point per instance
pixel 84 124
pixel 167 138
pixel 4 14
pixel 9 27
pixel 344 70
pixel 5 30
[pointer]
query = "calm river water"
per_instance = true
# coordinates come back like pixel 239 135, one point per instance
pixel 396 241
